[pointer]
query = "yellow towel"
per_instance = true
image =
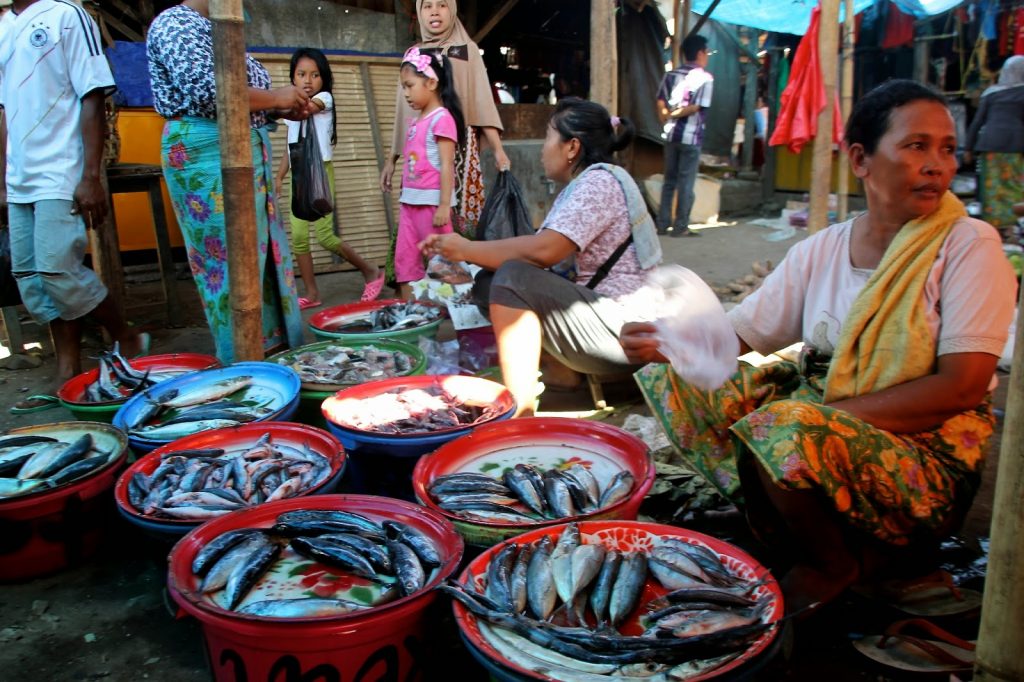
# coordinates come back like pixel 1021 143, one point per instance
pixel 885 339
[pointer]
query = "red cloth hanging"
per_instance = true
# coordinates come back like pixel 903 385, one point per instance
pixel 1018 43
pixel 804 96
pixel 899 28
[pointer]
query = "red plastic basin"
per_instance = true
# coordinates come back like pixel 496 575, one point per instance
pixel 244 435
pixel 324 324
pixel 545 442
pixel 46 531
pixel 626 536
pixel 382 640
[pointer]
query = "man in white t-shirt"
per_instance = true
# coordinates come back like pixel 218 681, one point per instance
pixel 53 80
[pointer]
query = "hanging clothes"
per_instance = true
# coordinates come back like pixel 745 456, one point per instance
pixel 899 29
pixel 804 96
pixel 1018 42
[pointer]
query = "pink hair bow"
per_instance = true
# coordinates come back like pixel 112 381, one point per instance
pixel 420 62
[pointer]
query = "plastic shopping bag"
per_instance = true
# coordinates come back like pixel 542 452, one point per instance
pixel 505 213
pixel 693 331
pixel 311 191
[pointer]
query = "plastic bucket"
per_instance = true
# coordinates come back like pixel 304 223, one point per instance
pixel 321 323
pixel 312 395
pixel 72 393
pixel 47 531
pixel 545 442
pixel 382 464
pixel 241 436
pixel 381 643
pixel 274 386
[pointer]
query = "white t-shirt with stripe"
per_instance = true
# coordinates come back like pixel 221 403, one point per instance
pixel 50 58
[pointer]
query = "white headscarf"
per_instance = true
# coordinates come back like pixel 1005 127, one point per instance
pixel 1010 76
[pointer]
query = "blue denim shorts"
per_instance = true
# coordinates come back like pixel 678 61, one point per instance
pixel 47 252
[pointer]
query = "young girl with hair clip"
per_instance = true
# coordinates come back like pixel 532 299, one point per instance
pixel 310 71
pixel 429 151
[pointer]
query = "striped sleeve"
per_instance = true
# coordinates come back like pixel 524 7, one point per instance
pixel 80 41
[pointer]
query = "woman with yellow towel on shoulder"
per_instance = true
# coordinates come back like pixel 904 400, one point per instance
pixel 875 440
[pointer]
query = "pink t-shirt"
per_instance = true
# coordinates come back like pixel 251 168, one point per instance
pixel 421 176
pixel 595 218
pixel 969 293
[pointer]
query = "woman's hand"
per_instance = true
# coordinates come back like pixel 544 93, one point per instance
pixel 442 216
pixel 501 160
pixel 386 174
pixel 290 98
pixel 639 342
pixel 451 247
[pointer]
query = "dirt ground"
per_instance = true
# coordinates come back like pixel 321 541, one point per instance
pixel 110 618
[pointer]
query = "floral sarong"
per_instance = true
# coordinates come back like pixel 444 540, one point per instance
pixel 190 155
pixel 894 487
pixel 1000 185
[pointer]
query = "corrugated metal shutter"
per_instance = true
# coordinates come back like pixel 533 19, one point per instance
pixel 359 203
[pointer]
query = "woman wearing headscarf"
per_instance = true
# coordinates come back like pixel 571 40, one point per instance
pixel 442 33
pixel 997 135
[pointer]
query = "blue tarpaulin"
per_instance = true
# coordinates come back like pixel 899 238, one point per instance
pixel 793 16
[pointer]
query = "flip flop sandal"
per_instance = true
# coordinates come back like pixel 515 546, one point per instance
pixel 306 304
pixel 940 653
pixel 46 402
pixel 373 288
pixel 933 595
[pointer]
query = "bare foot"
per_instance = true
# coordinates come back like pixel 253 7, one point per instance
pixel 371 275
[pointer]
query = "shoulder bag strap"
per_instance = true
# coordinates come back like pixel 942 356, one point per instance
pixel 607 266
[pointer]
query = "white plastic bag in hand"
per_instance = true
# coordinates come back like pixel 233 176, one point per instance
pixel 693 331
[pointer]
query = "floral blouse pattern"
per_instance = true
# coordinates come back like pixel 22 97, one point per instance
pixel 179 47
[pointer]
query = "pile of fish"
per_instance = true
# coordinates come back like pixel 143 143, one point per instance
pixel 558 607
pixel 196 485
pixel 389 318
pixel 117 379
pixel 526 493
pixel 197 408
pixel 32 463
pixel 338 364
pixel 415 410
pixel 391 554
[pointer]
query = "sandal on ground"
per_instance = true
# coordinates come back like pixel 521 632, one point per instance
pixel 306 304
pixel 35 403
pixel 373 288
pixel 938 651
pixel 931 595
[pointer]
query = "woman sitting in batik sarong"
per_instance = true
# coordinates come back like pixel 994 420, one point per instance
pixel 876 439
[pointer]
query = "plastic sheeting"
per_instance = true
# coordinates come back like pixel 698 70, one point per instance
pixel 794 16
pixel 641 36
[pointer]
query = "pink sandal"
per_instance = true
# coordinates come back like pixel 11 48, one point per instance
pixel 373 288
pixel 306 304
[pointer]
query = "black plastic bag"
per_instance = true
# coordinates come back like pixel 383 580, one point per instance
pixel 9 294
pixel 311 191
pixel 504 215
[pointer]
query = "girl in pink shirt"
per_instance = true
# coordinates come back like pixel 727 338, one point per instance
pixel 428 176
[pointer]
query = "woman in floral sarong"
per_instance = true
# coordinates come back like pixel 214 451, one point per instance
pixel 180 50
pixel 876 439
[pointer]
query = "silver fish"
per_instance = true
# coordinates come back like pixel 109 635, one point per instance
pixel 417 541
pixel 602 592
pixel 520 573
pixel 586 564
pixel 541 593
pixel 12 487
pixel 175 431
pixel 54 457
pixel 629 583
pixel 499 577
pixel 558 497
pixel 618 489
pixel 248 572
pixel 217 575
pixel 522 487
pixel 78 469
pixel 216 548
pixel 178 398
pixel 670 556
pixel 411 576
pixel 301 608
pixel 561 560
pixel 587 481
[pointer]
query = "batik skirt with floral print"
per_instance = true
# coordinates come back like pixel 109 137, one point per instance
pixel 190 155
pixel 894 487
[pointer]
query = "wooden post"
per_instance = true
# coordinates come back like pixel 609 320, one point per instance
pixel 686 21
pixel 378 142
pixel 821 163
pixel 105 248
pixel 604 63
pixel 678 32
pixel 846 105
pixel 999 655
pixel 237 171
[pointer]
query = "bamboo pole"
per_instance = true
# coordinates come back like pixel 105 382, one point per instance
pixel 846 105
pixel 604 63
pixel 999 655
pixel 821 163
pixel 686 21
pixel 237 172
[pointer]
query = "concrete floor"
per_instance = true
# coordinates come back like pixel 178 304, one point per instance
pixel 109 619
